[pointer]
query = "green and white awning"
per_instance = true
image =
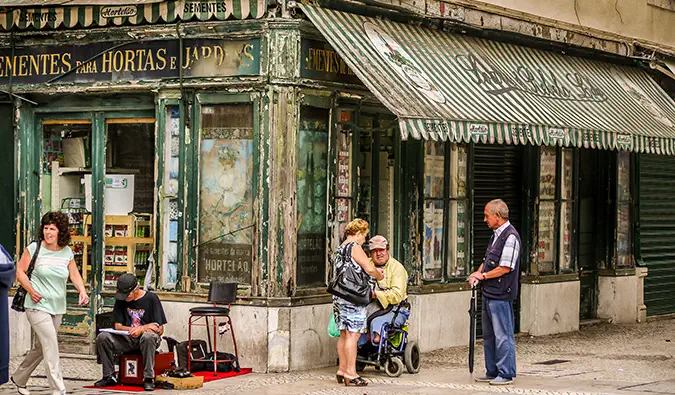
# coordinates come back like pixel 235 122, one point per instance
pixel 130 14
pixel 465 89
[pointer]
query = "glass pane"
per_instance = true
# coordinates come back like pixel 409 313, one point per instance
pixel 623 258
pixel 456 239
pixel 433 239
pixel 226 193
pixel 623 176
pixel 565 237
pixel 311 184
pixel 434 169
pixel 546 237
pixel 567 171
pixel 547 173
pixel 169 239
pixel 459 181
pixel 343 188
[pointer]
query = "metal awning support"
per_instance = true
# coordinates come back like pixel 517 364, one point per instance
pixel 18 97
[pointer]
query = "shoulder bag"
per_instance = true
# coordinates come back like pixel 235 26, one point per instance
pixel 348 283
pixel 20 295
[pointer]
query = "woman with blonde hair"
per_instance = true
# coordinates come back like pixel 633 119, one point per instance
pixel 350 318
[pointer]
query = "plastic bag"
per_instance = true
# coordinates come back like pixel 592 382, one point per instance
pixel 333 330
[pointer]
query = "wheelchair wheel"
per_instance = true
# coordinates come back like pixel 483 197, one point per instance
pixel 393 367
pixel 360 366
pixel 412 357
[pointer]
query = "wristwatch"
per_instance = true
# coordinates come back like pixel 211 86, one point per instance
pixel 484 275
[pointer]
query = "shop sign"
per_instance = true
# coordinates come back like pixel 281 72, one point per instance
pixel 311 265
pixel 407 68
pixel 136 61
pixel 557 134
pixel 478 129
pixel 319 61
pixel 225 263
pixel 119 11
pixel 536 80
pixel 624 139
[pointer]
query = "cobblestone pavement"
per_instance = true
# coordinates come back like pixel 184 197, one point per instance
pixel 599 359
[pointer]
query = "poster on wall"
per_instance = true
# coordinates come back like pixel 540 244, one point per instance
pixel 547 179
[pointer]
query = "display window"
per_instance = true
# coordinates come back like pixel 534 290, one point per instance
pixel 556 211
pixel 445 214
pixel 312 186
pixel 226 155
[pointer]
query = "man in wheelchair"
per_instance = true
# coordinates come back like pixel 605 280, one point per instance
pixel 388 292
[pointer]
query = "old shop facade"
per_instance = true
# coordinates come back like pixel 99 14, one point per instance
pixel 274 129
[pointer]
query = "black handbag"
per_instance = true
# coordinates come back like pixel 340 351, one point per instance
pixel 348 283
pixel 20 295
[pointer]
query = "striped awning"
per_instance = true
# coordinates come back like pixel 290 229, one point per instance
pixel 130 14
pixel 465 89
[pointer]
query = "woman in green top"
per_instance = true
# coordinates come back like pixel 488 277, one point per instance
pixel 47 303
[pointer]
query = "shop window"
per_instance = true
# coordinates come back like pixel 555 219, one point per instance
pixel 623 251
pixel 343 187
pixel 312 187
pixel 226 193
pixel 556 207
pixel 170 196
pixel 444 211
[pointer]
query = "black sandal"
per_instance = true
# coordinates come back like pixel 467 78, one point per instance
pixel 340 378
pixel 356 382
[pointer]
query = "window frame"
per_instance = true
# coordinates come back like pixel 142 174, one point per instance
pixel 558 202
pixel 448 198
pixel 192 162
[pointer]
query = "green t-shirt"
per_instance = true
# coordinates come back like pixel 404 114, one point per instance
pixel 49 279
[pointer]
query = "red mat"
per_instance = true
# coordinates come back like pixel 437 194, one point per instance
pixel 208 376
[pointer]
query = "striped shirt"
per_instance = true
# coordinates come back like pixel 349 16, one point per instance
pixel 511 249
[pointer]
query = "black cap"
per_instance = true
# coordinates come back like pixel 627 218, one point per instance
pixel 125 284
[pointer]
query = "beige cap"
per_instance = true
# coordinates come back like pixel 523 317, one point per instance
pixel 378 242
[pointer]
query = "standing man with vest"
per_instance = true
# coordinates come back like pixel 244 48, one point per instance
pixel 498 276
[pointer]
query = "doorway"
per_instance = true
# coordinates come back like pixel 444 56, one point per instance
pixel 497 174
pixel 594 184
pixel 98 169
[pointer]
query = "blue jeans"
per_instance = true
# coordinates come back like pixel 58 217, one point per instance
pixel 377 322
pixel 498 341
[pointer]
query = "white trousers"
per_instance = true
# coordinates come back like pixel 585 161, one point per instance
pixel 45 346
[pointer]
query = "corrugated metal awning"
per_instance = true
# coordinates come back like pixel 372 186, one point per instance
pixel 461 88
pixel 132 13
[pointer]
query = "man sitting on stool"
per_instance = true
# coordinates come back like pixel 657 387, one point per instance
pixel 139 312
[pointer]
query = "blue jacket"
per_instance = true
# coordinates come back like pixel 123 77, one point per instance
pixel 6 280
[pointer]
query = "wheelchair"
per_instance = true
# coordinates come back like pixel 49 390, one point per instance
pixel 393 352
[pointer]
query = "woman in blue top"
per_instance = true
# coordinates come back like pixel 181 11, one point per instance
pixel 350 319
pixel 47 304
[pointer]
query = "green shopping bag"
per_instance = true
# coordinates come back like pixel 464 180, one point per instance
pixel 333 330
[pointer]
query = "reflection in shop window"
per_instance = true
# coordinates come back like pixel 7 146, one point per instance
pixel 226 193
pixel 441 202
pixel 623 252
pixel 312 186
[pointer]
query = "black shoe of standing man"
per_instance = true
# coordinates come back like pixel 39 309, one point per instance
pixel 149 384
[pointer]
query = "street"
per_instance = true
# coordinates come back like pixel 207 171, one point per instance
pixel 598 359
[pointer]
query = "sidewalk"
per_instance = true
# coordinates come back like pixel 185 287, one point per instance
pixel 600 359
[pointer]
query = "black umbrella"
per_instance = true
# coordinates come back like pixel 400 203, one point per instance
pixel 472 327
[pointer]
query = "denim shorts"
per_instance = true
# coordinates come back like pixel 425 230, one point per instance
pixel 349 316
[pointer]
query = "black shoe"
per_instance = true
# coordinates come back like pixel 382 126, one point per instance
pixel 106 382
pixel 149 384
